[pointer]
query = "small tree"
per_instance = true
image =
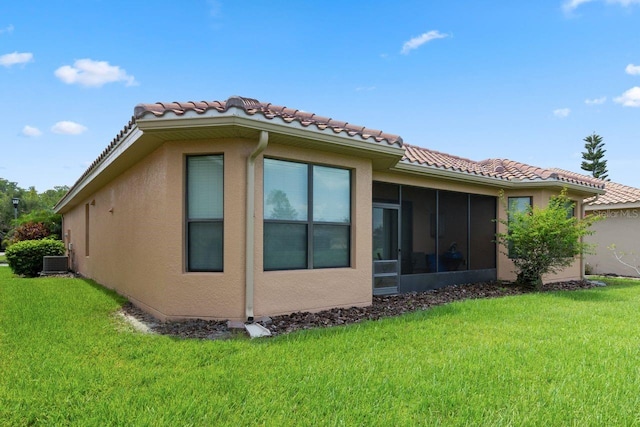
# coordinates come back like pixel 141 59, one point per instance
pixel 544 240
pixel 594 157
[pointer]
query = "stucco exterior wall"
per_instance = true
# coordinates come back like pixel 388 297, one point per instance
pixel 136 235
pixel 137 238
pixel 540 197
pixel 619 227
pixel 280 292
pixel 126 240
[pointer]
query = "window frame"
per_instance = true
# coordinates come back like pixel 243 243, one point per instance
pixel 189 221
pixel 530 198
pixel 310 222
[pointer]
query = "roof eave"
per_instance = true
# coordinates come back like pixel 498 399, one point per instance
pixel 457 175
pixel 451 174
pixel 156 131
pixel 83 186
pixel 383 153
pixel 612 206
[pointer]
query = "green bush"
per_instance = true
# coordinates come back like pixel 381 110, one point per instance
pixel 544 240
pixel 25 258
pixel 29 231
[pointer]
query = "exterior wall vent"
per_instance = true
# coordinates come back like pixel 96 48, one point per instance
pixel 55 264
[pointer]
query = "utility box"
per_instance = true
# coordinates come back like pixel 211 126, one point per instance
pixel 55 264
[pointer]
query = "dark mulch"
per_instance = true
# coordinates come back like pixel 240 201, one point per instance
pixel 383 306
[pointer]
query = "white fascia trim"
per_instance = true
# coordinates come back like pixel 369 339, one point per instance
pixel 132 136
pixel 612 206
pixel 426 170
pixel 238 117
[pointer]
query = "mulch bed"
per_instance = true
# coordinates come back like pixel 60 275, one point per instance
pixel 383 306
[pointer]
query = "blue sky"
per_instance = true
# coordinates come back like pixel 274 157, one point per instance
pixel 520 80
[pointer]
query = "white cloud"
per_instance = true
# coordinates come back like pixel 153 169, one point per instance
pixel 624 3
pixel 7 30
pixel 634 70
pixel 571 5
pixel 68 128
pixel 630 98
pixel 416 42
pixel 90 73
pixel 562 112
pixel 596 101
pixel 31 131
pixel 15 58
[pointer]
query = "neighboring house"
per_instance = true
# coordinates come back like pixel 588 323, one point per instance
pixel 618 234
pixel 234 209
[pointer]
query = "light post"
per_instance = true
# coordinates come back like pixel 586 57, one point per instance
pixel 15 202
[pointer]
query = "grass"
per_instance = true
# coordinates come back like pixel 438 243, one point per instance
pixel 3 259
pixel 539 359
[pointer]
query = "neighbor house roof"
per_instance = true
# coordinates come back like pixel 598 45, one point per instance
pixel 615 194
pixel 168 115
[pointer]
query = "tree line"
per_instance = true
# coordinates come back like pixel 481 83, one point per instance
pixel 32 206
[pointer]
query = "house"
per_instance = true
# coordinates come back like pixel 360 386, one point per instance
pixel 239 209
pixel 618 234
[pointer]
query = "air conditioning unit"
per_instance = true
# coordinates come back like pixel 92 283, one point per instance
pixel 55 264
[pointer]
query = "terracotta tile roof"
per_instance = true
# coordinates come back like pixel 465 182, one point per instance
pixel 112 145
pixel 495 168
pixel 426 157
pixel 614 193
pixel 499 169
pixel 268 111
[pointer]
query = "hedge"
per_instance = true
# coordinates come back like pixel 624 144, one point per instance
pixel 25 258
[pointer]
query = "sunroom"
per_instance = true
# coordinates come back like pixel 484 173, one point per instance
pixel 425 238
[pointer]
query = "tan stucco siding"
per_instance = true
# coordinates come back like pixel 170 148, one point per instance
pixel 619 227
pixel 137 235
pixel 540 197
pixel 125 228
pixel 137 238
pixel 280 292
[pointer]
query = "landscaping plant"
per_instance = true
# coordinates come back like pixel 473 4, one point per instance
pixel 542 240
pixel 25 257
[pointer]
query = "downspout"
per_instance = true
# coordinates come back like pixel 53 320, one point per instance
pixel 250 223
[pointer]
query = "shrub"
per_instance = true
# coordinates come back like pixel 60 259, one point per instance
pixel 50 220
pixel 25 257
pixel 544 240
pixel 30 231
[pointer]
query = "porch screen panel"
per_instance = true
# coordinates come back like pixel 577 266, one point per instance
pixel 205 212
pixel 418 241
pixel 453 230
pixel 384 192
pixel 482 250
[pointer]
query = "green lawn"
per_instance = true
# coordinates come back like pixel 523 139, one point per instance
pixel 556 359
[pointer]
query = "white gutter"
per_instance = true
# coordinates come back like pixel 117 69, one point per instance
pixel 468 177
pixel 250 223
